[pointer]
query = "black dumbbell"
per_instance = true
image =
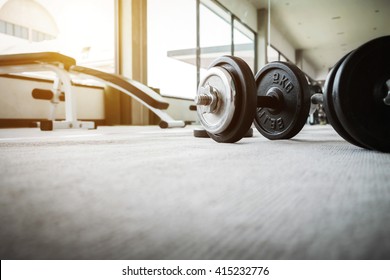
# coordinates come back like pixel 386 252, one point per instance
pixel 356 98
pixel 226 99
pixel 229 98
pixel 357 95
pixel 283 100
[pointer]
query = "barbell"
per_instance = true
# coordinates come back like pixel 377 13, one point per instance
pixel 278 100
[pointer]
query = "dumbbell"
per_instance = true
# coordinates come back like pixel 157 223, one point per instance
pixel 357 95
pixel 356 98
pixel 229 98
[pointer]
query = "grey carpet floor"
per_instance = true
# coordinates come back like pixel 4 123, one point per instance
pixel 147 193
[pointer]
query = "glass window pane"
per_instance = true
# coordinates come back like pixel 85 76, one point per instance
pixel 41 36
pixel 9 28
pixel 215 33
pixel 68 27
pixel 2 26
pixel 35 36
pixel 272 54
pixel 244 43
pixel 283 58
pixel 18 31
pixel 24 33
pixel 172 47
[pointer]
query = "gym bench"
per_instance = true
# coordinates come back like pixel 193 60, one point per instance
pixel 63 66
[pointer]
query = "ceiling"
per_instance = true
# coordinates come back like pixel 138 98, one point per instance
pixel 325 30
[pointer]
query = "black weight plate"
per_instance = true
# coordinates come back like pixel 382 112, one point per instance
pixel 329 106
pixel 358 93
pixel 249 133
pixel 245 99
pixel 202 133
pixel 286 121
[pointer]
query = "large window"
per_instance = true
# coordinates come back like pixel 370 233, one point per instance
pixel 244 43
pixel 172 47
pixel 84 30
pixel 215 37
pixel 177 48
pixel 274 55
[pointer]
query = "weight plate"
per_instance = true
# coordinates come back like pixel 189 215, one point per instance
pixel 289 85
pixel 202 133
pixel 218 84
pixel 236 101
pixel 329 106
pixel 359 91
pixel 249 133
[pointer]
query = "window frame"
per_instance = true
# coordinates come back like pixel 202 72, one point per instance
pixel 232 18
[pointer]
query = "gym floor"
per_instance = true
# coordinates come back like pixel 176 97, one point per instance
pixel 147 193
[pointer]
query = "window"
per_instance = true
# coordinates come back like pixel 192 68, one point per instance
pixel 215 37
pixel 223 33
pixel 274 55
pixel 244 43
pixel 173 44
pixel 214 33
pixel 282 58
pixel 69 27
pixel 2 26
pixel 22 32
pixel 9 28
pixel 13 29
pixel 172 47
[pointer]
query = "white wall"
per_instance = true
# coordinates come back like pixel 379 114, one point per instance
pixel 308 69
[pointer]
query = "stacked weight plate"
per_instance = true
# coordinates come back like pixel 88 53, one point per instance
pixel 355 95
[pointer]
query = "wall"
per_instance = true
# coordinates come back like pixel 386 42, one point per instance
pixel 308 69
pixel 279 42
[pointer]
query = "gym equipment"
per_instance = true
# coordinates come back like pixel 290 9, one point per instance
pixel 228 93
pixel 356 98
pixel 145 95
pixel 357 94
pixel 59 64
pixel 314 89
pixel 45 94
pixel 283 100
pixel 202 133
pixel 62 66
pixel 329 106
pixel 226 99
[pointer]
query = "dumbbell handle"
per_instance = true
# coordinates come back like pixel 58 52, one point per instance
pixel 272 102
pixel 269 101
pixel 262 101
